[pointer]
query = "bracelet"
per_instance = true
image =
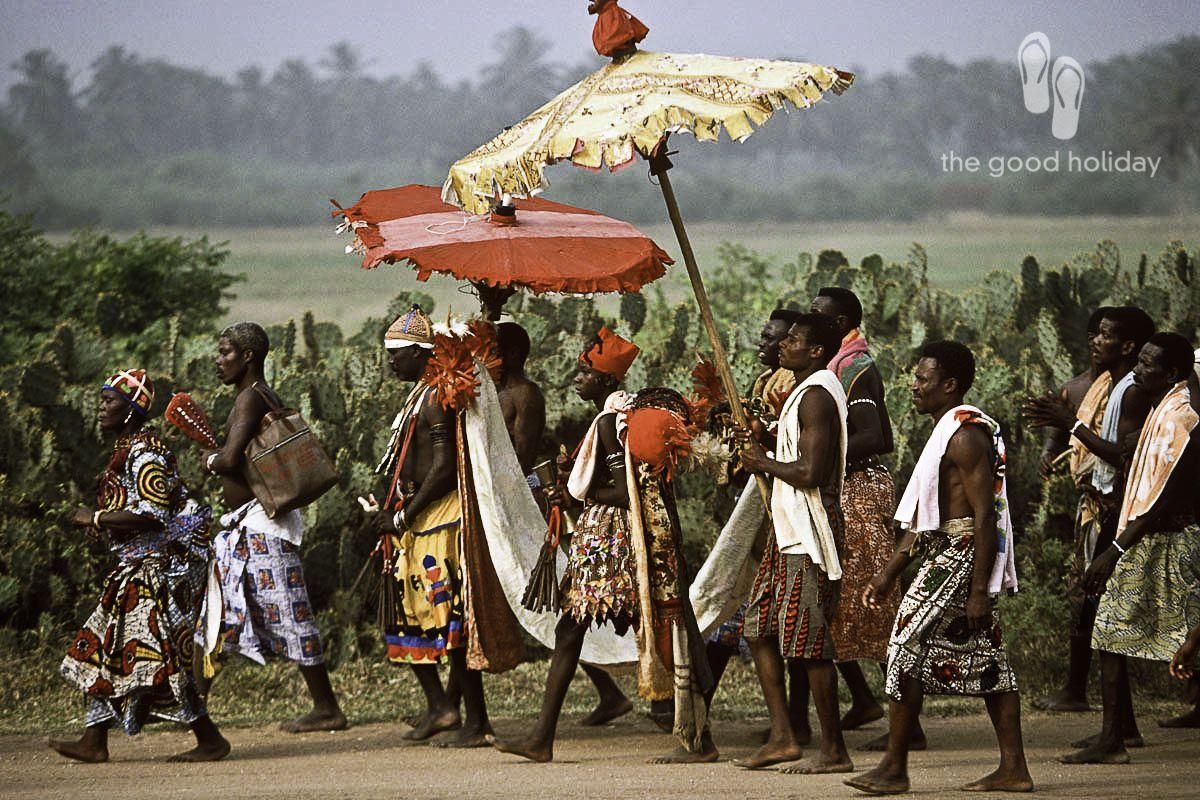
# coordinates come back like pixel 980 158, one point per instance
pixel 96 520
pixel 1117 545
pixel 1075 427
pixel 208 462
pixel 398 521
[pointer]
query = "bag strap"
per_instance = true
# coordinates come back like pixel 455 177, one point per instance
pixel 266 396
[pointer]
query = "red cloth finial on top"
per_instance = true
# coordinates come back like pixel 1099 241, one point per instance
pixel 616 29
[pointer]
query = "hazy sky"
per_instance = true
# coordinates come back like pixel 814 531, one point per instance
pixel 456 36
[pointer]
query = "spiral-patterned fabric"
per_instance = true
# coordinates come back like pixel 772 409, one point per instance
pixel 133 656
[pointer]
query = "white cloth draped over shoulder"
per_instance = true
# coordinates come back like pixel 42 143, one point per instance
pixel 515 528
pixel 1104 475
pixel 724 580
pixel 918 509
pixel 801 524
pixel 585 461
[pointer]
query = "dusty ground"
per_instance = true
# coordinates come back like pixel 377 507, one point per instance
pixel 368 761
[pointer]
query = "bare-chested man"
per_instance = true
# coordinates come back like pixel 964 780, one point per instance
pixel 419 533
pixel 601 582
pixel 868 502
pixel 1112 411
pixel 524 408
pixel 947 637
pixel 1088 405
pixel 1149 576
pixel 795 594
pixel 266 607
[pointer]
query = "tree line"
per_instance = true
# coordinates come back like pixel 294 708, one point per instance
pixel 151 131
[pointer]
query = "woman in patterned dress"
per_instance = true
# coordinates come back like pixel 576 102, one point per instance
pixel 133 657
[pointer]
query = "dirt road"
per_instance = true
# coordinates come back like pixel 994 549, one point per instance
pixel 367 761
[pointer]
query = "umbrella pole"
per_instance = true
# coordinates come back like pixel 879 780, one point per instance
pixel 659 165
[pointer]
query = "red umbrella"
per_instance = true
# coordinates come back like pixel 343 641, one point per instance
pixel 542 246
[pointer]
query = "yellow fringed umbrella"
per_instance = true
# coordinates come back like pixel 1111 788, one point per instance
pixel 629 108
pixel 626 108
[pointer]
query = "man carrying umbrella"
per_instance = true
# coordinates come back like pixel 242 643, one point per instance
pixel 795 594
pixel 868 502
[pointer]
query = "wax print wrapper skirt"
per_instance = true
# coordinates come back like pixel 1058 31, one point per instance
pixel 931 639
pixel 267 611
pixel 135 650
pixel 1152 598
pixel 868 504
pixel 794 600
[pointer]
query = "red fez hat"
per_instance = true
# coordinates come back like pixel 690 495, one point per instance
pixel 611 354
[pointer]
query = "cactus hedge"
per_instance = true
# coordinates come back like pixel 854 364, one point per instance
pixel 156 303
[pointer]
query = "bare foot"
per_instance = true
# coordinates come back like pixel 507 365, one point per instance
pixel 856 717
pixel 879 781
pixel 1096 754
pixel 1188 720
pixel 819 765
pixel 607 711
pixel 316 721
pixel 211 751
pixel 681 755
pixel 770 754
pixel 880 743
pixel 1131 742
pixel 803 736
pixel 432 724
pixel 78 750
pixel 538 753
pixel 1062 700
pixel 1000 781
pixel 466 738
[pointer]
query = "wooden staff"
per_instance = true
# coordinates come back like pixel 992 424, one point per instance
pixel 659 165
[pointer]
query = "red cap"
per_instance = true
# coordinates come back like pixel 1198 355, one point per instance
pixel 611 355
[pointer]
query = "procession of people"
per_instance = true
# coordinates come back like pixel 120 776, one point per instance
pixel 825 570
pixel 827 593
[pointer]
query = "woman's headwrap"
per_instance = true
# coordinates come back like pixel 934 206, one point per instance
pixel 610 354
pixel 410 328
pixel 134 387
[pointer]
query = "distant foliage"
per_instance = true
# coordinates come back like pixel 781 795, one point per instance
pixel 144 142
pixel 1026 331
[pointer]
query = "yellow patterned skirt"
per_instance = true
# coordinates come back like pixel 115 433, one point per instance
pixel 428 571
pixel 1152 598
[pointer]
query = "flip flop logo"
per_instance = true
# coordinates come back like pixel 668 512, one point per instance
pixel 1044 86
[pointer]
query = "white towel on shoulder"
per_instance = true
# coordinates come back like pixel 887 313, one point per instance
pixel 1104 475
pixel 918 509
pixel 801 524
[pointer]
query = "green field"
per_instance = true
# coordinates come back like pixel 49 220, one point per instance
pixel 292 270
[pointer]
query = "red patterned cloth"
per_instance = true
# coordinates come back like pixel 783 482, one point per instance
pixel 868 502
pixel 793 600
